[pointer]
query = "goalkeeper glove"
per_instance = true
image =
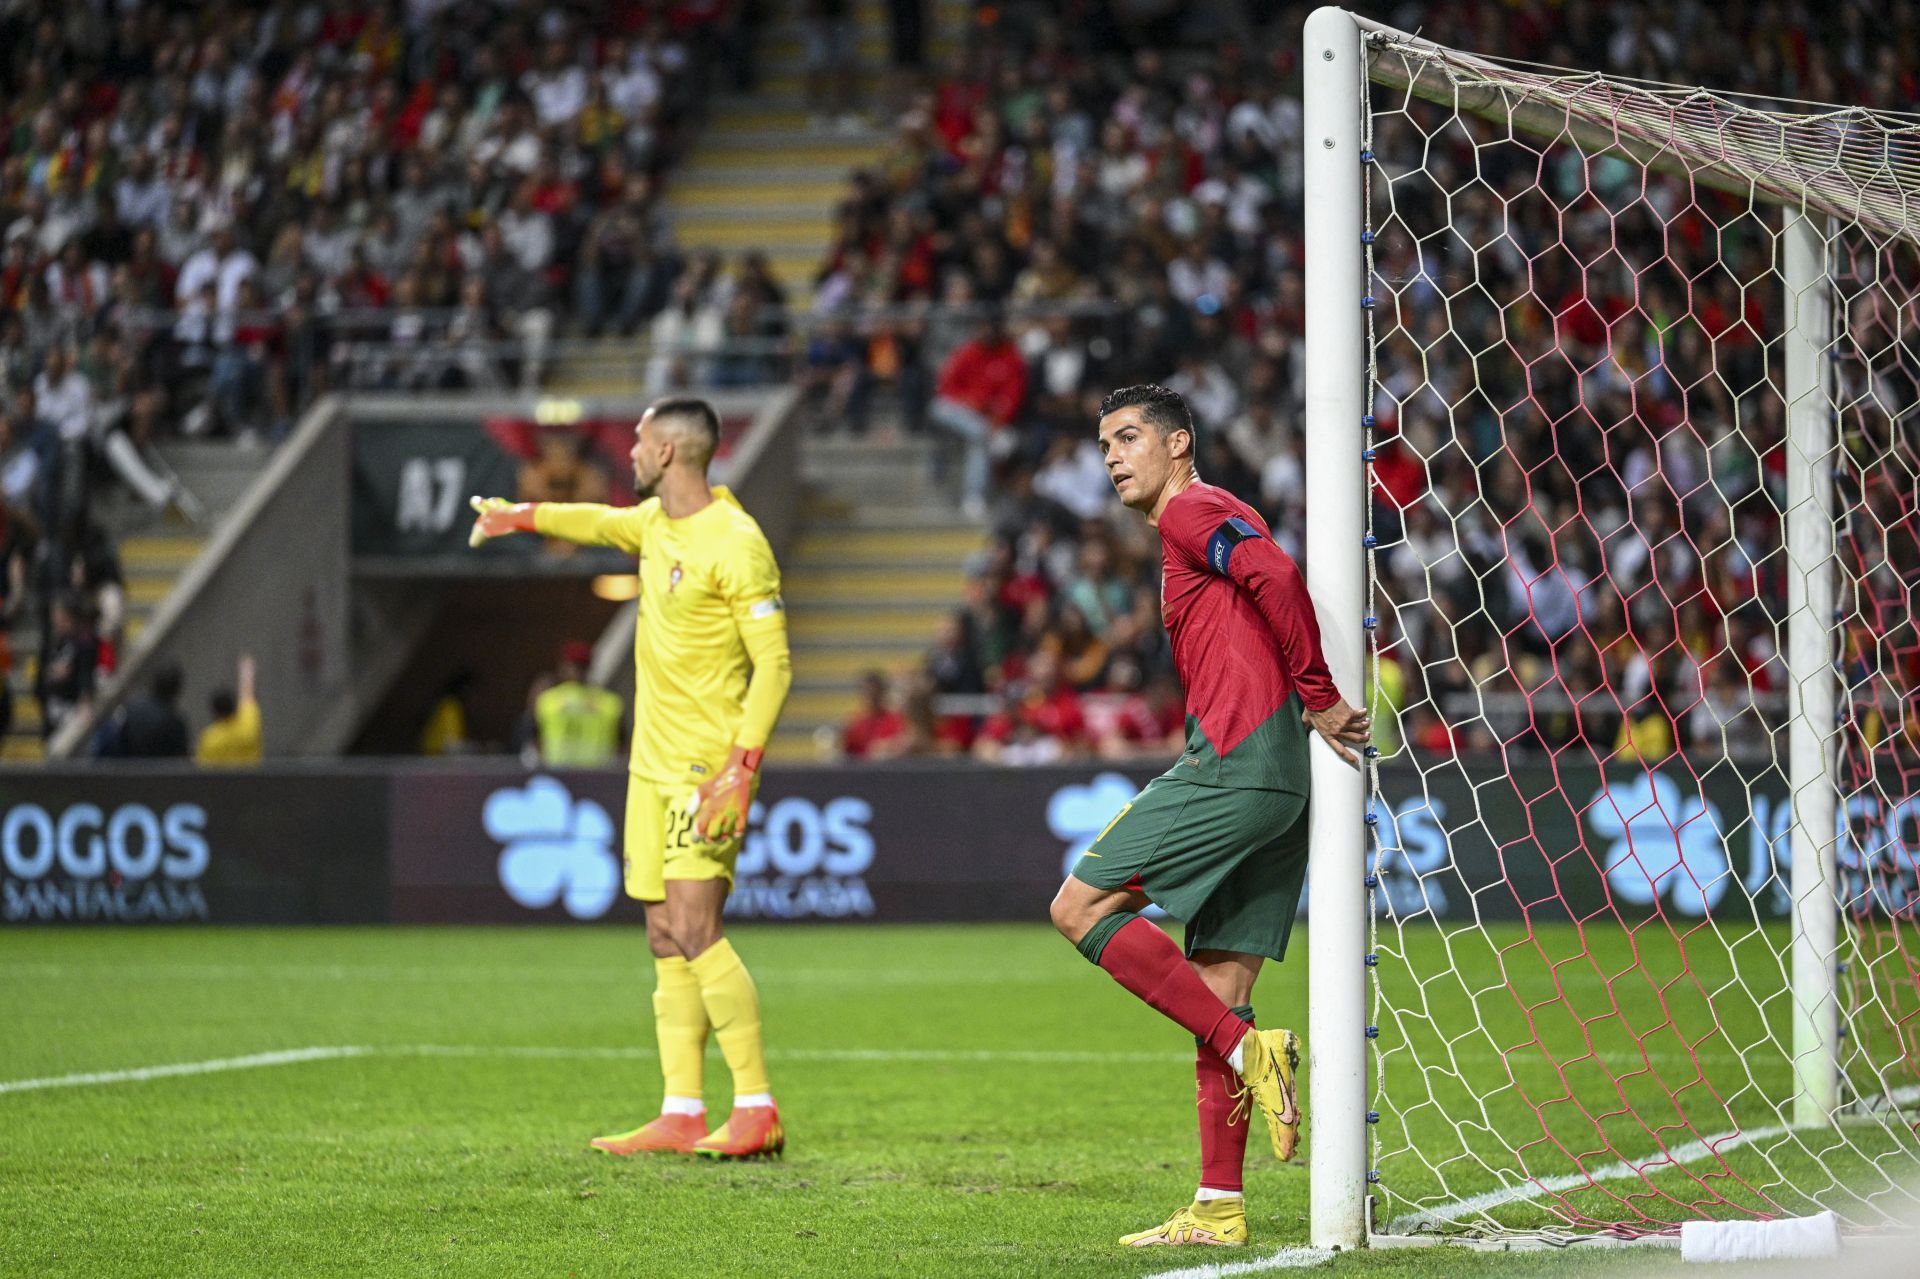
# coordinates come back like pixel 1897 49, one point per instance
pixel 722 801
pixel 497 516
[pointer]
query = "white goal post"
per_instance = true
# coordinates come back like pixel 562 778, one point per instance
pixel 1613 472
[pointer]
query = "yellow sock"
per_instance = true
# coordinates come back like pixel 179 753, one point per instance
pixel 733 1006
pixel 680 1026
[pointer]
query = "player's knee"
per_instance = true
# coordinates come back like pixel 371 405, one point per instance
pixel 1069 916
pixel 695 937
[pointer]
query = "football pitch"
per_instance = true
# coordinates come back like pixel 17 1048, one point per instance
pixel 965 1100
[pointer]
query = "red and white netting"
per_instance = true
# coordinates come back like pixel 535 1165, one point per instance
pixel 1582 474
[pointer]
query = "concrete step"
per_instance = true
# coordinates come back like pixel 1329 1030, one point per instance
pixel 729 199
pixel 831 707
pixel 832 514
pixel 846 546
pixel 810 234
pixel 717 174
pixel 820 665
pixel 26 713
pixel 159 552
pixel 783 220
pixel 786 51
pixel 792 747
pixel 782 149
pixel 148 592
pixel 936 588
pixel 872 481
pixel 907 623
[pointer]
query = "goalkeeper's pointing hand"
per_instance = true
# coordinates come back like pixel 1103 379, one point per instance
pixel 497 516
pixel 722 801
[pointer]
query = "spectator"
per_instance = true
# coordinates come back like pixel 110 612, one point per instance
pixel 560 472
pixel 1129 722
pixel 233 738
pixel 828 34
pixel 980 389
pixel 877 730
pixel 149 725
pixel 446 730
pixel 579 722
pixel 1044 723
pixel 68 665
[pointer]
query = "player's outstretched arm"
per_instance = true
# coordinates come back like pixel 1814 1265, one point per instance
pixel 1269 575
pixel 584 523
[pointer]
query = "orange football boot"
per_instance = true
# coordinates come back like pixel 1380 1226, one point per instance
pixel 669 1134
pixel 750 1132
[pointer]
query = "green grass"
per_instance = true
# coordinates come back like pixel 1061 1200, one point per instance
pixel 957 1157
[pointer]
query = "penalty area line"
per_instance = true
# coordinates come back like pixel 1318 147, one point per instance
pixel 337 1052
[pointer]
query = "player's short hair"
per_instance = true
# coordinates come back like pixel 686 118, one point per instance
pixel 694 412
pixel 1163 410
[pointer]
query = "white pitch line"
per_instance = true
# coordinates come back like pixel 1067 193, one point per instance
pixel 1657 1162
pixel 253 1061
pixel 1285 1259
pixel 292 1056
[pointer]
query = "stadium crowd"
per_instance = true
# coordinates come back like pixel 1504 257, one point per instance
pixel 211 214
pixel 1579 533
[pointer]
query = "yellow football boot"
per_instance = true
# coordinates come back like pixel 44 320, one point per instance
pixel 1214 1223
pixel 1269 1061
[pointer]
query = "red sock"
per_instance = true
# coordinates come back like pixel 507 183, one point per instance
pixel 1223 1139
pixel 1144 960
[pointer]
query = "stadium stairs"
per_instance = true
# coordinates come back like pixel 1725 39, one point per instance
pixel 154 552
pixel 764 176
pixel 882 550
pixel 880 558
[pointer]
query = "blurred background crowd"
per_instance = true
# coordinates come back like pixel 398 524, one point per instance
pixel 1578 472
pixel 213 213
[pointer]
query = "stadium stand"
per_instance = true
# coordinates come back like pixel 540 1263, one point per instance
pixel 1062 163
pixel 212 216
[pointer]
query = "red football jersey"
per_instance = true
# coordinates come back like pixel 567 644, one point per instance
pixel 1245 640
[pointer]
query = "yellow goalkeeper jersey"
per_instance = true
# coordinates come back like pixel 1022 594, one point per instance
pixel 710 614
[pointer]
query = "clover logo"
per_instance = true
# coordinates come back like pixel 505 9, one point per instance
pixel 557 848
pixel 1663 845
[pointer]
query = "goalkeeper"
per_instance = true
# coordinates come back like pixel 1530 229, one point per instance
pixel 711 671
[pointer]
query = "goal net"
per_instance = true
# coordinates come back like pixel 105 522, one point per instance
pixel 1641 367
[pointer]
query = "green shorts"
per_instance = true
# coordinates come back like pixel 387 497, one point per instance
pixel 1228 862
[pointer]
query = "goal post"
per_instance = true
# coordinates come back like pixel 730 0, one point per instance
pixel 1336 380
pixel 1811 674
pixel 1613 514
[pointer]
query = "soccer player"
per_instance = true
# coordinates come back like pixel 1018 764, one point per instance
pixel 1219 840
pixel 711 671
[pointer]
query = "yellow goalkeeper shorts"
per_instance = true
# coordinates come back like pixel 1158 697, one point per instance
pixel 661 843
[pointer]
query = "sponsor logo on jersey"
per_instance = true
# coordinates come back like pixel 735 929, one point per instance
pixel 673 577
pixel 767 608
